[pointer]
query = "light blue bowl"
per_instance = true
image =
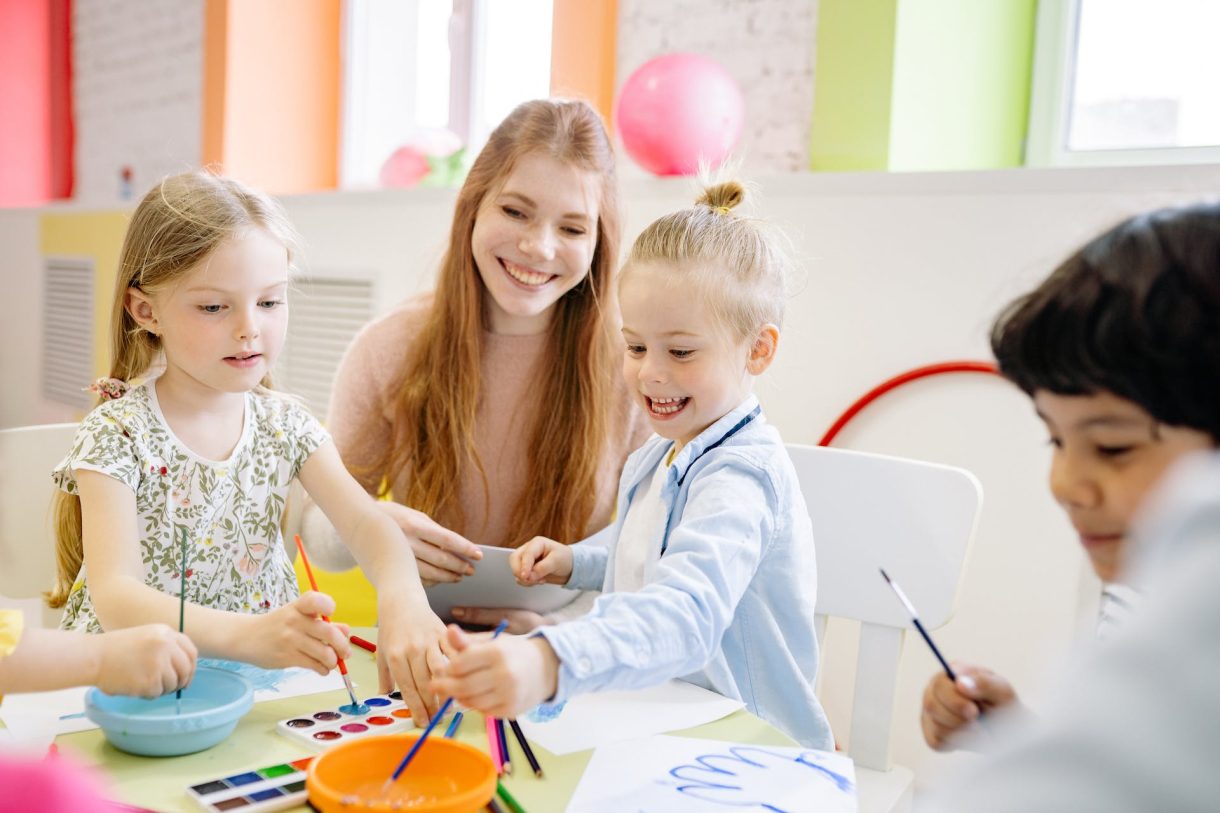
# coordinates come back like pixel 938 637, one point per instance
pixel 211 707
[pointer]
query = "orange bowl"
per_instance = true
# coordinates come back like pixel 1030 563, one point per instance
pixel 446 776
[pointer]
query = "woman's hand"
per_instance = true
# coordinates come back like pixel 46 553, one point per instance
pixel 519 621
pixel 440 554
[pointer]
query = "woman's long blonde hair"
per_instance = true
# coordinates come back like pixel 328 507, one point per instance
pixel 177 225
pixel 438 401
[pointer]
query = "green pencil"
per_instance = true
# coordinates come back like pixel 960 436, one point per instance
pixel 512 803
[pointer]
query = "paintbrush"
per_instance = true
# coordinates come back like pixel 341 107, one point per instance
pixel 181 612
pixel 347 681
pixel 918 625
pixel 436 718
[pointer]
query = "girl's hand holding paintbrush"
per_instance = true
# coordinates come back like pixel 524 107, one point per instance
pixel 950 706
pixel 147 661
pixel 296 635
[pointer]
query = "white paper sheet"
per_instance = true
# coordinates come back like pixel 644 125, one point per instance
pixel 39 716
pixel 595 719
pixel 664 774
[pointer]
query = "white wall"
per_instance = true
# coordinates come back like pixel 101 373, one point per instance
pixel 903 270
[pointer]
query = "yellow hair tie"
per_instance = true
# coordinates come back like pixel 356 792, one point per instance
pixel 724 210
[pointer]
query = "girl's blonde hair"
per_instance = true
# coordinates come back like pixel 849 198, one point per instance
pixel 740 266
pixel 439 397
pixel 177 225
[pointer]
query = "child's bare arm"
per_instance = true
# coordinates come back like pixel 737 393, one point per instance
pixel 409 633
pixel 149 661
pixel 292 635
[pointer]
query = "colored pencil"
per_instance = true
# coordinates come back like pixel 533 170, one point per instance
pixel 512 803
pixel 494 806
pixel 363 644
pixel 504 756
pixel 313 584
pixel 493 744
pixel 918 625
pixel 525 747
pixel 436 718
pixel 453 725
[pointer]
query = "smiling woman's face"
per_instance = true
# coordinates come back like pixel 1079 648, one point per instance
pixel 533 241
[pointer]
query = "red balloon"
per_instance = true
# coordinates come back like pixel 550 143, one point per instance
pixel 678 110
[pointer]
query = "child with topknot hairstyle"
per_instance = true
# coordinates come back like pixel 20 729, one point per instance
pixel 708 571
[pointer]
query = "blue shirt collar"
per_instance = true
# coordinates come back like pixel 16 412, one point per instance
pixel 710 437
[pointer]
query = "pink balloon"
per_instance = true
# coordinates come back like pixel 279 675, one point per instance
pixel 406 166
pixel 677 110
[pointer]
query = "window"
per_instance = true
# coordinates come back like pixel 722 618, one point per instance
pixel 436 74
pixel 1125 82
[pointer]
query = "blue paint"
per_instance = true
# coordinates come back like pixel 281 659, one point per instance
pixel 711 777
pixel 544 714
pixel 354 709
pixel 377 701
pixel 243 779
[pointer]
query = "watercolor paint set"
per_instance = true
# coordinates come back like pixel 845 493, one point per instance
pixel 277 787
pixel 386 714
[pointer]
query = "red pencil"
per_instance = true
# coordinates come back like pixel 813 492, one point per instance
pixel 363 644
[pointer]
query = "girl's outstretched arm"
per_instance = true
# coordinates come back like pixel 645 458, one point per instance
pixel 148 661
pixel 292 635
pixel 409 633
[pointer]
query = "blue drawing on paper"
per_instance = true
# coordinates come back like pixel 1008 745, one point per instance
pixel 261 679
pixel 747 776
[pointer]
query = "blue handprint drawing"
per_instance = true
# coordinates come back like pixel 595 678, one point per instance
pixel 746 776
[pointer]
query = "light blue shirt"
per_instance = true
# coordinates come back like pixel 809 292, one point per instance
pixel 729 600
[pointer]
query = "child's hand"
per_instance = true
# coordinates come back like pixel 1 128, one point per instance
pixel 501 678
pixel 949 707
pixel 541 560
pixel 296 635
pixel 147 661
pixel 409 651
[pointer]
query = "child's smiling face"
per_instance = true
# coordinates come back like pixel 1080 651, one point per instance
pixel 1109 455
pixel 685 368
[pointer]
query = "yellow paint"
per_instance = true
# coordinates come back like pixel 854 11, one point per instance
pixel 96 236
pixel 355 598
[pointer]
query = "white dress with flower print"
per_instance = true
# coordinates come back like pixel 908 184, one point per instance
pixel 230 510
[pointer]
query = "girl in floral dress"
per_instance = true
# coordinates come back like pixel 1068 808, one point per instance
pixel 188 471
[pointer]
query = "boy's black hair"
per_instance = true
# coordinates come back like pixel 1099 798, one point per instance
pixel 1135 312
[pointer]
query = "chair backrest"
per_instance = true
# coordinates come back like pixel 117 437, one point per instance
pixel 913 518
pixel 27 545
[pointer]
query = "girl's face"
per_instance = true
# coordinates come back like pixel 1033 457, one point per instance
pixel 222 325
pixel 685 369
pixel 1109 455
pixel 533 241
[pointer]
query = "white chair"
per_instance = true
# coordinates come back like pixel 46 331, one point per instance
pixel 27 544
pixel 916 520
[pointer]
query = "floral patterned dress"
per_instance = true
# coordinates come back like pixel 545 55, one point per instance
pixel 230 510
